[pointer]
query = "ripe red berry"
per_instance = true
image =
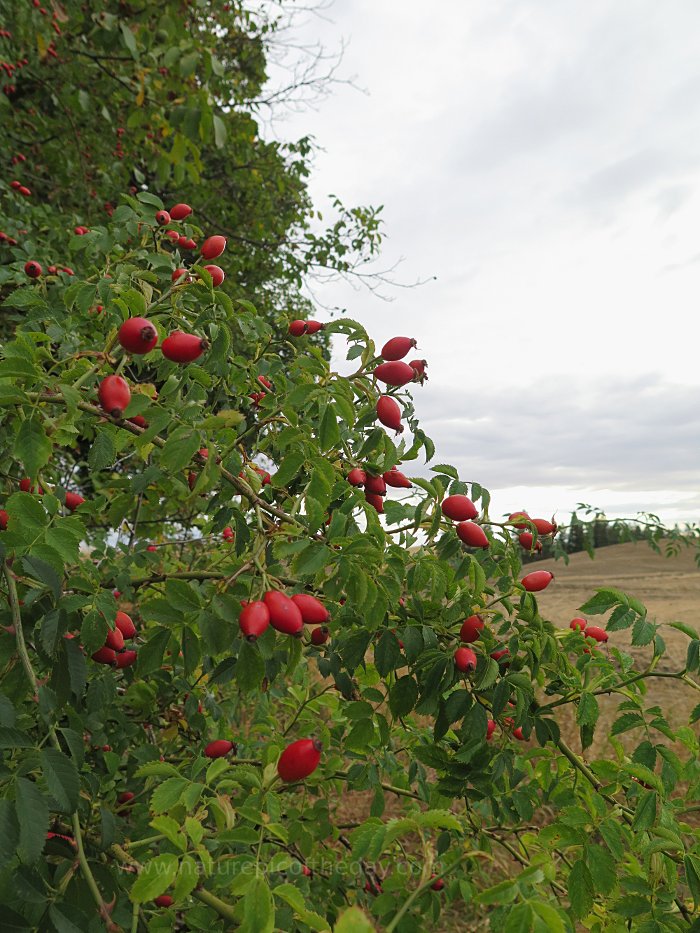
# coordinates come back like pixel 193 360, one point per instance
pixel 152 548
pixel 459 508
pixel 180 276
pixel 297 328
pixel 312 327
pixel 357 477
pixel 228 534
pixel 180 211
pixel 263 380
pixel 114 640
pixel 138 335
pixel 162 218
pixel 183 348
pixel 438 884
pixel 396 479
pixel 518 515
pixel 538 580
pixel 25 485
pixel 139 421
pixel 377 502
pixel 490 729
pixel 23 190
pixel 313 612
pixel 285 615
pixel 186 242
pixel 465 660
pixel 217 275
pixel 126 796
pixel 397 348
pixel 472 535
pixel 33 269
pixel 305 870
pixel 254 619
pixel 80 231
pixel 320 635
pixel 4 518
pixel 578 624
pixel 527 541
pixel 213 246
pixel 218 749
pixel 594 631
pixel 394 373
pixel 73 500
pixel 471 629
pixel 543 526
pixel 299 760
pixel 497 655
pixel 126 659
pixel 105 655
pixel 375 485
pixel 163 900
pixel 518 734
pixel 114 394
pixel 172 235
pixel 389 413
pixel 125 624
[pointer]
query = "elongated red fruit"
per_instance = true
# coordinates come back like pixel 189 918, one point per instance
pixel 357 477
pixel 389 413
pixel 285 615
pixel 186 242
pixel 419 366
pixel 397 348
pixel 213 246
pixel 114 395
pixel 397 479
pixel 218 749
pixel 538 580
pixel 394 373
pixel 518 515
pixel 217 275
pixel 578 624
pixel 297 328
pixel 376 485
pixel 459 508
pixel 299 760
pixel 498 655
pixel 33 269
pixel 105 655
pixel 465 660
pixel 4 519
pixel 138 335
pixel 162 218
pixel 73 500
pixel 377 502
pixel 438 884
pixel 125 624
pixel 527 541
pixel 472 534
pixel 183 348
pixel 320 635
pixel 254 619
pixel 594 631
pixel 313 612
pixel 313 327
pixel 490 729
pixel 543 526
pixel 126 658
pixel 471 629
pixel 114 640
pixel 180 276
pixel 163 900
pixel 180 211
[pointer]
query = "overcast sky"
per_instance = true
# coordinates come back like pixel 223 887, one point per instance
pixel 541 160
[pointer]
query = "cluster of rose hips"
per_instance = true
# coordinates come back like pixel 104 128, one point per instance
pixel 114 652
pixel 285 614
pixel 375 486
pixel 526 539
pixel 590 631
pixel 72 500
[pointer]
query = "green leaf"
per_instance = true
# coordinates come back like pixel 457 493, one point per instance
pixel 250 667
pixel 692 876
pixel 187 878
pixel 550 915
pixel 167 794
pixel 603 868
pixel 150 655
pixel 182 595
pixel 258 908
pixel 603 600
pixel 403 696
pixel 580 887
pixel 643 632
pixel 354 920
pixel 645 813
pixel 32 810
pixel 289 467
pixel 129 41
pixel 329 434
pixel 77 666
pixel 43 572
pixel 61 778
pixel 181 446
pixel 520 919
pixel 9 831
pixel 14 738
pixel 93 630
pixel 587 712
pixel 102 450
pixel 26 513
pixel 387 654
pixel 32 446
pixel 155 878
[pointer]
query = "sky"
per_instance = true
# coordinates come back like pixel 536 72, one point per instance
pixel 539 166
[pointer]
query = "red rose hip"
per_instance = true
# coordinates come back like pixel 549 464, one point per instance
pixel 138 335
pixel 459 508
pixel 183 348
pixel 114 395
pixel 536 581
pixel 397 348
pixel 218 749
pixel 254 620
pixel 471 629
pixel 299 760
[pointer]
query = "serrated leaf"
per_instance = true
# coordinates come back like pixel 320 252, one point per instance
pixel 32 810
pixel 354 920
pixel 155 878
pixel 167 794
pixel 102 450
pixel 580 888
pixel 62 779
pixel 14 738
pixel 32 446
pixel 187 878
pixel 258 908
pixel 403 696
pixel 9 831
